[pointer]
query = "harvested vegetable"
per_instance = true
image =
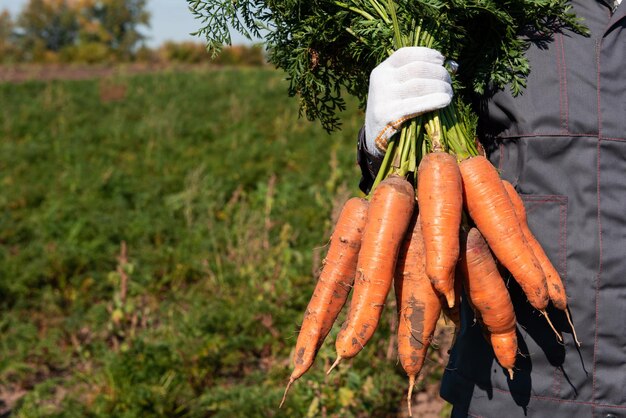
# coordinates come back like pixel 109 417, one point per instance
pixel 390 211
pixel 556 290
pixel 490 208
pixel 490 298
pixel 440 197
pixel 329 48
pixel 333 286
pixel 418 305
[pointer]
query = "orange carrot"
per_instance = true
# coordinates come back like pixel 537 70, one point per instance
pixel 332 288
pixel 491 209
pixel 490 298
pixel 418 305
pixel 388 217
pixel 439 195
pixel 556 290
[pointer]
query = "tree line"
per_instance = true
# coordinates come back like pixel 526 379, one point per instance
pixel 97 31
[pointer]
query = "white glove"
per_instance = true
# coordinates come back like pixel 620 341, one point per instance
pixel 412 81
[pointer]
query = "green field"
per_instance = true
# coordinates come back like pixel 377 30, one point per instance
pixel 157 251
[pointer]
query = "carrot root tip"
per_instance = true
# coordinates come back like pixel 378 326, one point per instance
pixel 291 380
pixel 410 394
pixel 450 298
pixel 510 373
pixel 571 324
pixel 558 335
pixel 334 365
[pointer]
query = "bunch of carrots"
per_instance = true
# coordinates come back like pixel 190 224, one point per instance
pixel 448 232
pixel 438 220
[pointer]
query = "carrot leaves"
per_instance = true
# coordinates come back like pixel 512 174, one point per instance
pixel 329 47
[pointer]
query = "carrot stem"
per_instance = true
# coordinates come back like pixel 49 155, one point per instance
pixel 399 162
pixel 385 165
pixel 380 9
pixel 418 32
pixel 396 26
pixel 406 150
pixel 433 129
pixel 357 10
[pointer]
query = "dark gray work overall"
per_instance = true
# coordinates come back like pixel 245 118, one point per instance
pixel 562 144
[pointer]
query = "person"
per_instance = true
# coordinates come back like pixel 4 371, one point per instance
pixel 562 144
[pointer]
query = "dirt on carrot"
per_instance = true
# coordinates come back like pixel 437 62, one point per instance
pixel 418 304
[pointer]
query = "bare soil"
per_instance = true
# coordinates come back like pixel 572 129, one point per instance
pixel 27 72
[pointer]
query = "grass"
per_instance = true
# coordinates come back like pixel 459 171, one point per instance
pixel 158 248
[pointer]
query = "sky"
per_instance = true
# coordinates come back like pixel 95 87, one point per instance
pixel 171 20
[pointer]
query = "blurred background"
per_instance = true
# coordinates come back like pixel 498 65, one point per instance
pixel 163 219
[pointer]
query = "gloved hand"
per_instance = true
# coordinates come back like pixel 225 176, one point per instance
pixel 412 81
